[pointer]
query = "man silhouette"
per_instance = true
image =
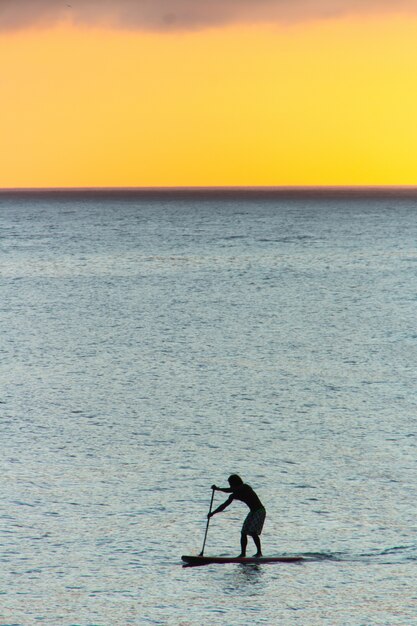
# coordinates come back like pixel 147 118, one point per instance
pixel 254 521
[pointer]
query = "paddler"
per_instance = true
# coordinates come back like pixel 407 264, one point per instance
pixel 254 521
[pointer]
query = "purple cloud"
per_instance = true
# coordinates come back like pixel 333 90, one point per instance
pixel 185 14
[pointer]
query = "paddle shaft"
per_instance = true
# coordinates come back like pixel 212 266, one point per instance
pixel 208 522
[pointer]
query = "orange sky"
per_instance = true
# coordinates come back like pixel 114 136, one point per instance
pixel 317 103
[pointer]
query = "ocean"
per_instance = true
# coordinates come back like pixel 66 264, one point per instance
pixel 154 342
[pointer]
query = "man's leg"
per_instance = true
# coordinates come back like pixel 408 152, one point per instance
pixel 257 541
pixel 243 544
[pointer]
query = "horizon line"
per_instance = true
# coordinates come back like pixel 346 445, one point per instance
pixel 238 192
pixel 150 187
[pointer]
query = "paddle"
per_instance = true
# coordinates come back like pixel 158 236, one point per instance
pixel 208 522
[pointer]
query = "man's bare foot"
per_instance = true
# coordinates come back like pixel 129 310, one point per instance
pixel 241 556
pixel 257 555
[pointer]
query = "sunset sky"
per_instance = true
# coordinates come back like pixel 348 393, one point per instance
pixel 208 92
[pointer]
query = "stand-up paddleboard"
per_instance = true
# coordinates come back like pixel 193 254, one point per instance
pixel 207 560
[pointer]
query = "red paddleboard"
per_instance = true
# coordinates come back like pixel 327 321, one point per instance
pixel 207 560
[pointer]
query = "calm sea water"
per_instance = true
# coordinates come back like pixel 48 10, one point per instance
pixel 152 344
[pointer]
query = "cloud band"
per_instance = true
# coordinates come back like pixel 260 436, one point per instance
pixel 185 14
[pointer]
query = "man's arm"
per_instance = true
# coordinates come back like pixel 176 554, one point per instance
pixel 224 489
pixel 221 507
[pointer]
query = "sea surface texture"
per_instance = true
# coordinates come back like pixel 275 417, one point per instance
pixel 154 343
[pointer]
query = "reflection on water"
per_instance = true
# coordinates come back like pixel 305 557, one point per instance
pixel 245 579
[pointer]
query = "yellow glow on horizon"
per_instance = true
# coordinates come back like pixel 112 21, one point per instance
pixel 327 103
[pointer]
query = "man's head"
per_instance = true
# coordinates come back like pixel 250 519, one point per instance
pixel 235 481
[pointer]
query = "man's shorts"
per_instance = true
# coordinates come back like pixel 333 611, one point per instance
pixel 254 522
